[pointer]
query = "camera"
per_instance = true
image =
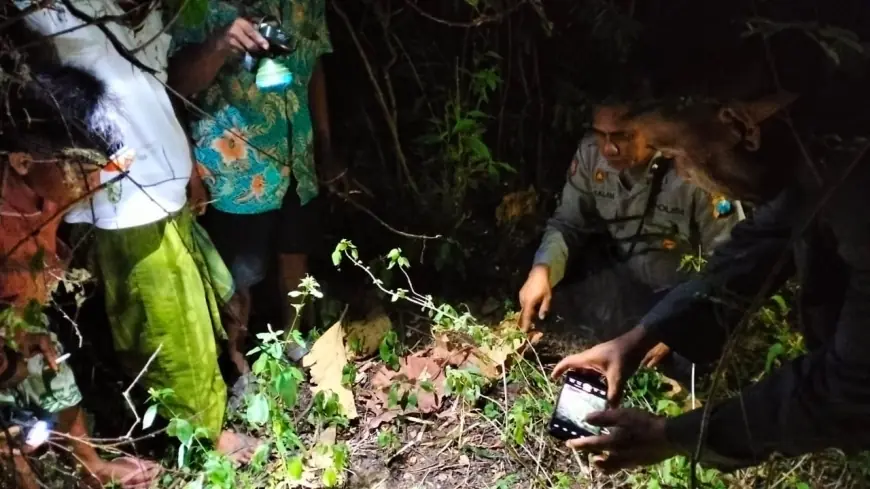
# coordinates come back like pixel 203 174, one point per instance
pixel 582 393
pixel 271 74
pixel 279 41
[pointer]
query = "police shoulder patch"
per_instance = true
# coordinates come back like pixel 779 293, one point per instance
pixel 721 206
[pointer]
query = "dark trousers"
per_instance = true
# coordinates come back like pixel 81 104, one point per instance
pixel 600 299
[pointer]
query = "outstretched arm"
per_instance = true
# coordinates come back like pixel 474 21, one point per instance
pixel 696 317
pixel 819 400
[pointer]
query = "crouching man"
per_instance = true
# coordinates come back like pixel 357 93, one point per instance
pixel 625 223
pixel 32 378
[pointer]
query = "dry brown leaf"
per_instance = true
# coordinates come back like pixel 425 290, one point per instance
pixel 489 360
pixel 516 205
pixel 326 362
pixel 385 417
pixel 365 336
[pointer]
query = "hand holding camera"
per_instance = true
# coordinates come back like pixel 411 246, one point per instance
pixel 243 36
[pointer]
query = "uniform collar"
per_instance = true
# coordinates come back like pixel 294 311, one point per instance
pixel 640 175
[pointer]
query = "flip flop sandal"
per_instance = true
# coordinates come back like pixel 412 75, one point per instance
pixel 244 385
pixel 295 352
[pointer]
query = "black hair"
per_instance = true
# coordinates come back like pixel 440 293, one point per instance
pixel 51 106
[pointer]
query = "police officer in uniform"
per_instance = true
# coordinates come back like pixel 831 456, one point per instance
pixel 615 245
pixel 811 222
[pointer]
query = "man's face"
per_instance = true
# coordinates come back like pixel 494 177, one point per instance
pixel 615 138
pixel 717 147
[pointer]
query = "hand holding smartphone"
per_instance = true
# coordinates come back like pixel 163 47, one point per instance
pixel 583 393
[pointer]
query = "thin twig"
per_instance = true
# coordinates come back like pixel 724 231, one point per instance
pixel 126 393
pixel 479 21
pixel 391 123
pixel 347 198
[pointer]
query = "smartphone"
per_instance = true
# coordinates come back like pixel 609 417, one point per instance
pixel 582 393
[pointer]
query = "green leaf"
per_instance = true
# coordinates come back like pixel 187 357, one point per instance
pixel 261 455
pixel 773 353
pixel 339 456
pixel 181 429
pixel 258 410
pixel 464 125
pixel 182 451
pixel 393 397
pixel 260 365
pixel 412 401
pixel 287 386
pixel 783 307
pixel 148 418
pixel 330 478
pixel 336 257
pixel 295 468
pixel 479 149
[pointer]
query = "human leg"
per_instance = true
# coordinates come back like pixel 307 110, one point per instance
pixel 299 232
pixel 158 299
pixel 244 244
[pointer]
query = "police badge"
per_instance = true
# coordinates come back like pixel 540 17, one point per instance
pixel 721 206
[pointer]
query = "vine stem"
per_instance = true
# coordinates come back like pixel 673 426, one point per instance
pixel 415 298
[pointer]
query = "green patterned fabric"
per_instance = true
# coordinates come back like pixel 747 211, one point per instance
pixel 242 145
pixel 43 388
pixel 164 285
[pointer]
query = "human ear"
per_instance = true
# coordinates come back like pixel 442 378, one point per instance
pixel 20 162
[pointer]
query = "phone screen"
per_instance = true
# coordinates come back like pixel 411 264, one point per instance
pixel 580 396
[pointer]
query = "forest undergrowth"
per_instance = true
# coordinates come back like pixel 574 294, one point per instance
pixel 458 121
pixel 446 401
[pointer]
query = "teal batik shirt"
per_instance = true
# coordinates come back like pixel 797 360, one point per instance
pixel 242 146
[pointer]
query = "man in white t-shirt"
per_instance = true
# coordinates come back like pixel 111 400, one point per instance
pixel 164 281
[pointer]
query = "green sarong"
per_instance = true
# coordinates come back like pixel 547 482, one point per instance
pixel 164 285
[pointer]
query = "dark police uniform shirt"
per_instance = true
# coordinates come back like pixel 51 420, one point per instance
pixel 821 399
pixel 596 200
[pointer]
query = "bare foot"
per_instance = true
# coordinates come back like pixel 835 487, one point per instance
pixel 127 472
pixel 239 448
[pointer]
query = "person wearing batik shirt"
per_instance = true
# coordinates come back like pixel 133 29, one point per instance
pixel 255 149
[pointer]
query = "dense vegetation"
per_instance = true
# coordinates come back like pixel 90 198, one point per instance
pixel 458 120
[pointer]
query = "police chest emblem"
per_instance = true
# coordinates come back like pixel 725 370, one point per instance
pixel 721 206
pixel 599 176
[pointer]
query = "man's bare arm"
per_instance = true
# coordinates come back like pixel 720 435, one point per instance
pixel 194 67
